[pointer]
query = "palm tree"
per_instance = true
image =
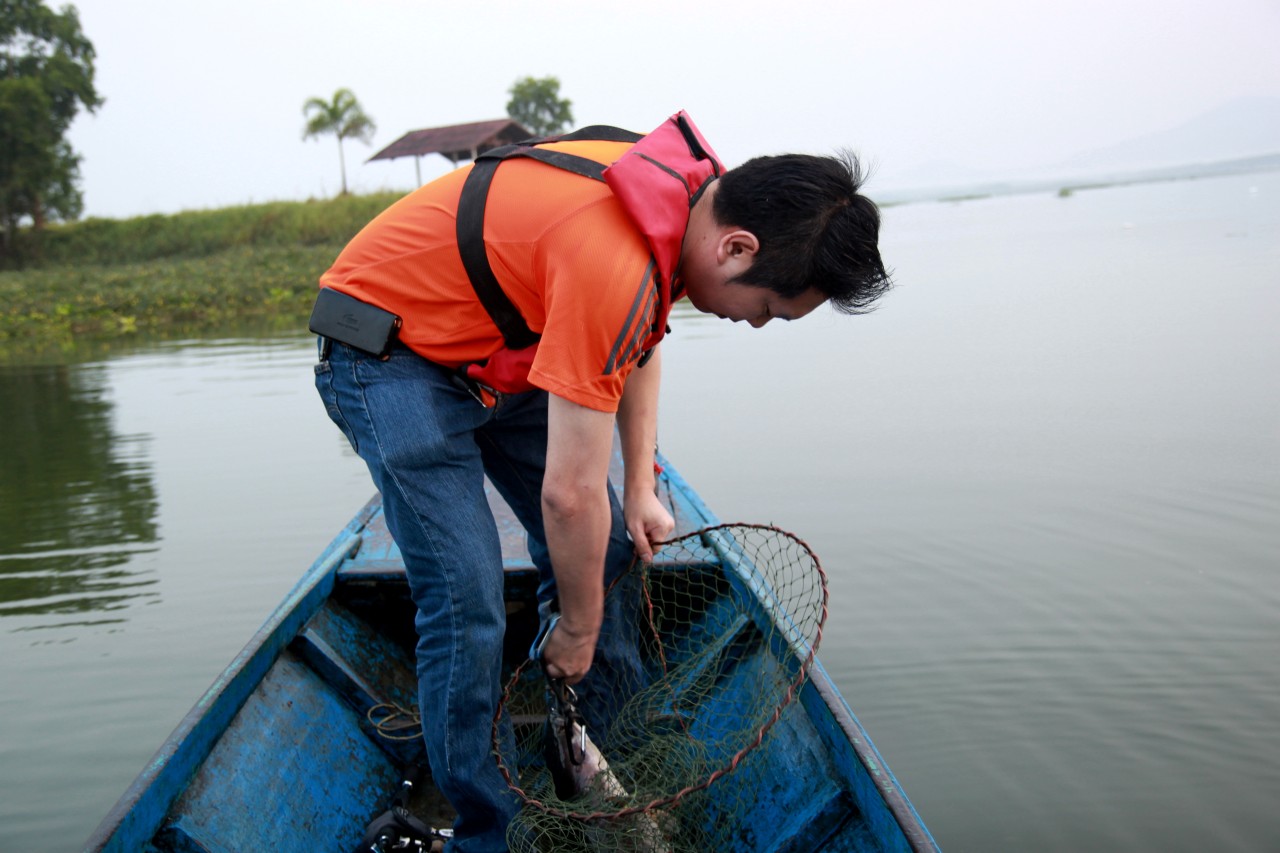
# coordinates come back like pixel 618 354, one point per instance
pixel 342 116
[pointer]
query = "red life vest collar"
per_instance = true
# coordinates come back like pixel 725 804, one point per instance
pixel 658 181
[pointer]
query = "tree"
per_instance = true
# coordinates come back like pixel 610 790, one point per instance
pixel 343 117
pixel 537 105
pixel 46 76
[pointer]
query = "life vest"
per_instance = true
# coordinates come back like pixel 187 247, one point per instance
pixel 658 181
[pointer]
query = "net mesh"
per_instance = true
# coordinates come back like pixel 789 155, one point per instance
pixel 720 630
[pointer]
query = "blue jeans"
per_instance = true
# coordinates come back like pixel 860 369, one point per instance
pixel 428 445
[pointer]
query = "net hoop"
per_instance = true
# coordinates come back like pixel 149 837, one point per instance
pixel 733 762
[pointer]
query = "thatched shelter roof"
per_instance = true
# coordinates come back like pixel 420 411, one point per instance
pixel 455 141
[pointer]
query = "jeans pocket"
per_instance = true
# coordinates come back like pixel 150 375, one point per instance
pixel 329 396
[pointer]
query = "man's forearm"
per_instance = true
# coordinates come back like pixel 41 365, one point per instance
pixel 577 538
pixel 576 517
pixel 638 424
pixel 648 520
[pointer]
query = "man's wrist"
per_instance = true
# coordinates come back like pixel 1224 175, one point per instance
pixel 638 489
pixel 579 626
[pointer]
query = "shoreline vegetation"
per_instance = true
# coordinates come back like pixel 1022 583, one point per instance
pixel 81 284
pixel 79 288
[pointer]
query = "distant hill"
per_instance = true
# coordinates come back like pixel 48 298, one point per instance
pixel 1242 128
pixel 1237 137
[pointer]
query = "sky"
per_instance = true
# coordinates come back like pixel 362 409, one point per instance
pixel 203 101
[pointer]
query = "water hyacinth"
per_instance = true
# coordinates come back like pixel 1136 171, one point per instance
pixel 173 275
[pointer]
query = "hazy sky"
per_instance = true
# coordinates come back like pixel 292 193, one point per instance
pixel 204 100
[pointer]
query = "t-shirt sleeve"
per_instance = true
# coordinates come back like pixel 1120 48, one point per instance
pixel 601 298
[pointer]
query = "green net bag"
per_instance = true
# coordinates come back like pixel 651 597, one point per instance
pixel 722 628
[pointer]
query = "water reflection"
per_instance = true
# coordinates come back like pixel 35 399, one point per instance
pixel 77 501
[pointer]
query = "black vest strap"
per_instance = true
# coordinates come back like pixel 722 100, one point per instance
pixel 599 133
pixel 470 220
pixel 584 166
pixel 475 260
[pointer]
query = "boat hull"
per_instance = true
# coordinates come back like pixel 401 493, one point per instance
pixel 280 753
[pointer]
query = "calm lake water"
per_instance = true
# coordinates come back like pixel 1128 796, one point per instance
pixel 1044 477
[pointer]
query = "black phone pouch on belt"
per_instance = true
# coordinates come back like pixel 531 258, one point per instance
pixel 349 321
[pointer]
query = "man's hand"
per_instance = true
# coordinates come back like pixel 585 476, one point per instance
pixel 568 652
pixel 648 521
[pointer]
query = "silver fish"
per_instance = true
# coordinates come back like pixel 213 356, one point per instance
pixel 577 766
pixel 576 763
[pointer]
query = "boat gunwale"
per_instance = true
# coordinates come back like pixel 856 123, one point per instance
pixel 877 769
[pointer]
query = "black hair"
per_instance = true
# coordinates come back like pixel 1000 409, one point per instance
pixel 815 230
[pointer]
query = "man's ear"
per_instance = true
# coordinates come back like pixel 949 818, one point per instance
pixel 737 245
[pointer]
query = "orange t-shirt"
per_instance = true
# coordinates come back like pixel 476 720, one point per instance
pixel 564 251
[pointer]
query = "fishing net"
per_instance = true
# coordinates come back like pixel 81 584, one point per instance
pixel 707 647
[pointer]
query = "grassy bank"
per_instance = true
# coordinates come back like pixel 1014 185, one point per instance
pixel 178 274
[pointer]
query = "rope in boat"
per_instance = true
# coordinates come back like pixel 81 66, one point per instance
pixel 395 722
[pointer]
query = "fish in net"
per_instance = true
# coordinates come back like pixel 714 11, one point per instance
pixel 653 751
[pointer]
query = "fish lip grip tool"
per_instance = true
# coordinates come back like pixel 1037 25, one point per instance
pixel 544 634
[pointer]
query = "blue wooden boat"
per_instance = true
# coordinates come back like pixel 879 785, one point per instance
pixel 280 753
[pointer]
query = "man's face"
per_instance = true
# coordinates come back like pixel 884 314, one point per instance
pixel 745 302
pixel 709 271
